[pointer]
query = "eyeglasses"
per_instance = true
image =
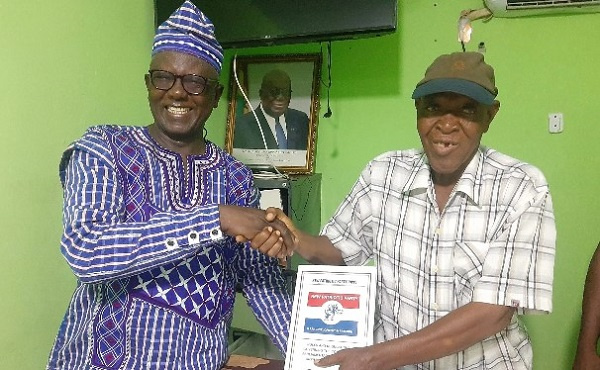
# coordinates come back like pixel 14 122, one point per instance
pixel 277 92
pixel 192 84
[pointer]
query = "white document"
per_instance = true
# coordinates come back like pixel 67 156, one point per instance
pixel 334 309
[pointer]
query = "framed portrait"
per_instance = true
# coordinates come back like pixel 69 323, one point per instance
pixel 273 111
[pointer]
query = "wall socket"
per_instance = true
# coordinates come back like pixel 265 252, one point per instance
pixel 555 123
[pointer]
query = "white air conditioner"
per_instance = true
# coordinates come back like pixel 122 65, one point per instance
pixel 519 8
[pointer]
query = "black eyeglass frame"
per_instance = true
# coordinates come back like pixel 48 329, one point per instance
pixel 277 92
pixel 208 82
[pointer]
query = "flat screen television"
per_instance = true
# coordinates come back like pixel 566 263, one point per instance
pixel 249 23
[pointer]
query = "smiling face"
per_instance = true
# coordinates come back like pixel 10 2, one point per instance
pixel 450 127
pixel 275 92
pixel 179 117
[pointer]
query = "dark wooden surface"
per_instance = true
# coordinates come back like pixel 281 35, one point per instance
pixel 239 362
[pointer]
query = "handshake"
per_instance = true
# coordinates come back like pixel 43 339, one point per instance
pixel 269 231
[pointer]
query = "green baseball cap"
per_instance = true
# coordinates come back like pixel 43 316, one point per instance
pixel 464 73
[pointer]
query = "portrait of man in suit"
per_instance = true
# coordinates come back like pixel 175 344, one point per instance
pixel 273 124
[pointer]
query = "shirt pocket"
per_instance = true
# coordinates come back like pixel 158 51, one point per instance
pixel 468 259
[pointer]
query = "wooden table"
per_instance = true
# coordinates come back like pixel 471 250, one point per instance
pixel 240 362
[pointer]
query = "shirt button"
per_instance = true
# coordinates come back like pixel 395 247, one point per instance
pixel 435 269
pixel 171 243
pixel 193 237
pixel 216 234
pixel 434 306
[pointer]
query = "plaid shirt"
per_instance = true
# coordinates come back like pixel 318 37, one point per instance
pixel 494 242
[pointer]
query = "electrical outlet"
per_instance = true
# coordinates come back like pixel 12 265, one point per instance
pixel 555 123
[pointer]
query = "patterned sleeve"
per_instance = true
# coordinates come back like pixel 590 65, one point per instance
pixel 265 289
pixel 98 245
pixel 260 276
pixel 519 264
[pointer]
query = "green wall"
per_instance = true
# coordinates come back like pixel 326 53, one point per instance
pixel 64 65
pixel 68 65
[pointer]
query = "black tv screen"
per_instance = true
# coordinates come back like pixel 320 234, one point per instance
pixel 248 23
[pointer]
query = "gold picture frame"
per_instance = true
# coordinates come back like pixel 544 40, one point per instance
pixel 256 98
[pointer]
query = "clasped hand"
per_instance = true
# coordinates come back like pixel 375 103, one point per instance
pixel 271 231
pixel 279 238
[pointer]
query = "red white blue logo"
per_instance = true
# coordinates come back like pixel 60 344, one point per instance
pixel 332 314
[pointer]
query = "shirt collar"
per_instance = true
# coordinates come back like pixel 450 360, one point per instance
pixel 270 119
pixel 468 183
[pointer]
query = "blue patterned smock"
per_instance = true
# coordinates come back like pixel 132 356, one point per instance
pixel 156 277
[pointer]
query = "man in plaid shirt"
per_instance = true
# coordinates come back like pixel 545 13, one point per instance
pixel 463 236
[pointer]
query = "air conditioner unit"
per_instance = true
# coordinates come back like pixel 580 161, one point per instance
pixel 519 8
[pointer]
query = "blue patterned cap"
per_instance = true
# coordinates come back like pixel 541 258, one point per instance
pixel 189 31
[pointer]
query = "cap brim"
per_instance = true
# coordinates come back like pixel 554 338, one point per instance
pixel 459 86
